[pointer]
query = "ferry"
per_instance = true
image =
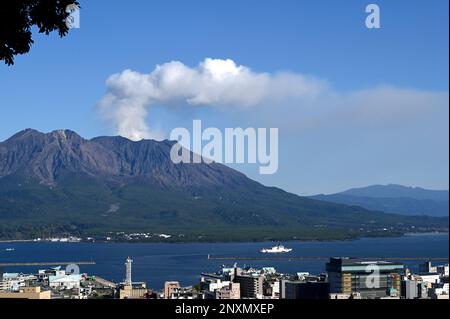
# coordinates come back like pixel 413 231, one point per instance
pixel 278 249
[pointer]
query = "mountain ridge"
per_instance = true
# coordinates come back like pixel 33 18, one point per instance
pixel 121 157
pixel 59 182
pixel 397 190
pixel 394 198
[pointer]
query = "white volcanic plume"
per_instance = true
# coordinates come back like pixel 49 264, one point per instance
pixel 214 82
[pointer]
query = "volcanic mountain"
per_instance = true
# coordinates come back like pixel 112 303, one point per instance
pixel 394 198
pixel 60 183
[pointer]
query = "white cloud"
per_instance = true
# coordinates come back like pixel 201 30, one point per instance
pixel 300 101
pixel 214 82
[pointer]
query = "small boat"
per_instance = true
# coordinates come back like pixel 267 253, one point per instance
pixel 278 249
pixel 9 249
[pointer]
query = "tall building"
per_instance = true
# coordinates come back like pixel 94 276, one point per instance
pixel 128 281
pixel 170 287
pixel 130 289
pixel 371 279
pixel 251 284
pixel 232 291
pixel 409 289
pixel 14 281
pixel 135 291
pixel 428 268
pixel 304 290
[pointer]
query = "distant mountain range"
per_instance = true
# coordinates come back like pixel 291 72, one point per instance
pixel 60 183
pixel 394 199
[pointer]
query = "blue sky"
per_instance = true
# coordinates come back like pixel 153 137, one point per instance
pixel 59 83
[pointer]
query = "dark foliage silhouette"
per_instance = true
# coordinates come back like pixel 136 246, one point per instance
pixel 17 18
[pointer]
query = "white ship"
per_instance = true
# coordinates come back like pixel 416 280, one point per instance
pixel 9 249
pixel 278 249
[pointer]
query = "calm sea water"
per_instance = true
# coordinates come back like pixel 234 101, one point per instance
pixel 156 263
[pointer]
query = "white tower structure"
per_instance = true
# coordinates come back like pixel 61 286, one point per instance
pixel 128 271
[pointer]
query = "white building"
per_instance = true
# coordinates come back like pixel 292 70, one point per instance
pixel 14 281
pixel 44 274
pixel 65 282
pixel 268 270
pixel 218 284
pixel 441 291
pixel 442 270
pixel 428 268
pixel 275 289
pixel 431 278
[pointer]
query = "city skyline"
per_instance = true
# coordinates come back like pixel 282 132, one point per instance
pixel 343 278
pixel 209 158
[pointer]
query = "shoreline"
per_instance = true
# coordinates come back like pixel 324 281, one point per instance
pixel 12 241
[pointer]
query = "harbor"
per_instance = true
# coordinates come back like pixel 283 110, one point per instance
pixel 320 258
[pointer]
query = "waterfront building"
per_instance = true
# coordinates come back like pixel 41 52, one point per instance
pixel 430 278
pixel 271 288
pixel 169 288
pixel 134 291
pixel 184 293
pixel 128 271
pixel 227 273
pixel 251 283
pixel 302 275
pixel 231 291
pixel 372 279
pixel 44 274
pixel 425 286
pixel 26 293
pixel 428 268
pixel 268 271
pixel 216 284
pixel 129 289
pixel 14 281
pixel 440 291
pixel 443 270
pixel 409 289
pixel 295 289
pixel 423 289
pixel 216 288
pixel 65 282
